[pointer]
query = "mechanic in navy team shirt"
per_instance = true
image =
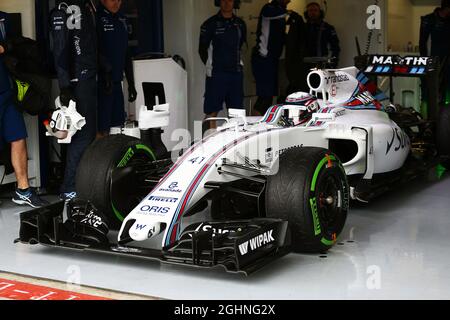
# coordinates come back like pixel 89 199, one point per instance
pixel 115 59
pixel 221 39
pixel 12 126
pixel 271 37
pixel 321 37
pixel 437 27
pixel 74 37
pixel 321 40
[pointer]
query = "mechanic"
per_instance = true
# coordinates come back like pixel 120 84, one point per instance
pixel 115 59
pixel 221 39
pixel 295 52
pixel 271 36
pixel 437 27
pixel 12 127
pixel 75 52
pixel 321 37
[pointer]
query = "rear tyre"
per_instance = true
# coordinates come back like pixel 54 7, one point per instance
pixel 93 181
pixel 311 192
pixel 443 135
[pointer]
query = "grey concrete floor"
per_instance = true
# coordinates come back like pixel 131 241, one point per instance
pixel 393 248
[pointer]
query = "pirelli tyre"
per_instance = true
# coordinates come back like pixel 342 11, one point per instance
pixel 443 135
pixel 310 191
pixel 93 181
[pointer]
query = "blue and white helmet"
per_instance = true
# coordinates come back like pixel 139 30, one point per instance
pixel 304 99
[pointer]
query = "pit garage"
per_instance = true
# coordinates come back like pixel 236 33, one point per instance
pixel 340 193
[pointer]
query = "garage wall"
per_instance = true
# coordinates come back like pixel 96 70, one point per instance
pixel 182 21
pixel 400 24
pixel 298 5
pixel 404 21
pixel 26 8
pixel 349 17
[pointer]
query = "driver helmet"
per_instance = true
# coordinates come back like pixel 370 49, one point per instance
pixel 304 99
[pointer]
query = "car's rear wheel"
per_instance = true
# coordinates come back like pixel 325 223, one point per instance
pixel 443 135
pixel 94 175
pixel 310 191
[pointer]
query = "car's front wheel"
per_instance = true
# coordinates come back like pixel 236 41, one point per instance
pixel 94 176
pixel 310 191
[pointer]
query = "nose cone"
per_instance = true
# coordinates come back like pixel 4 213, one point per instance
pixel 139 232
pixel 142 232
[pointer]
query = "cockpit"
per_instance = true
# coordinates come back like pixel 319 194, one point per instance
pixel 297 111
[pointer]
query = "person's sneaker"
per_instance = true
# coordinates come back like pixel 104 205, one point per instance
pixel 30 198
pixel 67 196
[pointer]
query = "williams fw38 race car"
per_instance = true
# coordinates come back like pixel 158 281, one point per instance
pixel 255 189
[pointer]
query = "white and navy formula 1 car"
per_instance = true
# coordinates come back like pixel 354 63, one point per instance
pixel 254 190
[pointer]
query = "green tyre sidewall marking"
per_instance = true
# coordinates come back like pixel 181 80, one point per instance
pixel 327 242
pixel 129 154
pixel 313 201
pixel 147 149
pixel 315 215
pixel 317 171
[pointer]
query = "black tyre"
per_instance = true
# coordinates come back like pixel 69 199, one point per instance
pixel 310 191
pixel 443 135
pixel 93 181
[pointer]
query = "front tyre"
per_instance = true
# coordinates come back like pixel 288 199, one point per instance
pixel 310 191
pixel 94 175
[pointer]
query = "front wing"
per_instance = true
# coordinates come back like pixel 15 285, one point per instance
pixel 242 246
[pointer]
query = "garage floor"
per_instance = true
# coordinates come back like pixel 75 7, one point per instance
pixel 393 248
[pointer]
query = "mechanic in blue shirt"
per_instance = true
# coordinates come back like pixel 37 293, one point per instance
pixel 221 39
pixel 116 59
pixel 321 37
pixel 437 27
pixel 12 126
pixel 271 37
pixel 74 37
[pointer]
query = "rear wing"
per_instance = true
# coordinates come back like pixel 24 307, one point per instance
pixel 397 66
pixel 427 68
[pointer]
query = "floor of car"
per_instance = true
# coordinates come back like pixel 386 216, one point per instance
pixel 393 248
